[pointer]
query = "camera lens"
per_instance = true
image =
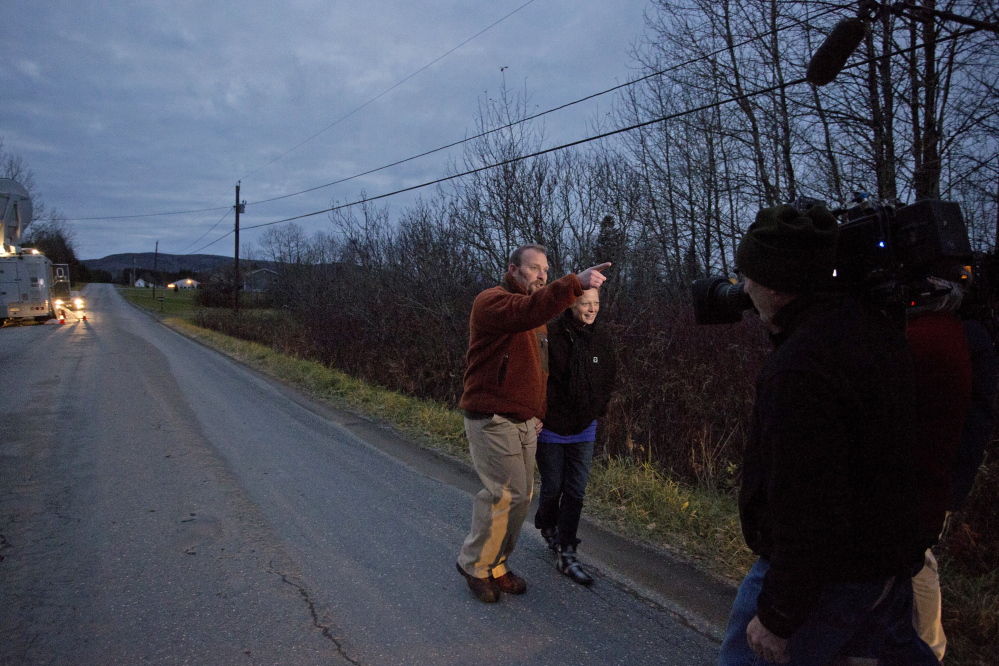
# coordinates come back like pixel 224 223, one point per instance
pixel 718 300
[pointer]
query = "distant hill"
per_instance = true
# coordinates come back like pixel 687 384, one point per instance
pixel 166 263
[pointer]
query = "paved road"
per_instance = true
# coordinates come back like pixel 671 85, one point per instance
pixel 160 503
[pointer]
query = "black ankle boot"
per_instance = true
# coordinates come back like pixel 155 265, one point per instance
pixel 550 535
pixel 570 566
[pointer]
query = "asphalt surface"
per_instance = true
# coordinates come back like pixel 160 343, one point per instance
pixel 161 503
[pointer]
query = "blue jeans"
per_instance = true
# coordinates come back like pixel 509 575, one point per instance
pixel 565 470
pixel 851 619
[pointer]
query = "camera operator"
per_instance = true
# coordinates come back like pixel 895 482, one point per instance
pixel 828 499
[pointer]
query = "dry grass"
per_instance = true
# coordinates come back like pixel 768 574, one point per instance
pixel 971 615
pixel 639 500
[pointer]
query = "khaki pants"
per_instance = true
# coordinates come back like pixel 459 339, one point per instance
pixel 503 451
pixel 926 606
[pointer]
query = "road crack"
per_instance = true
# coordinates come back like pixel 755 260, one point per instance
pixel 325 629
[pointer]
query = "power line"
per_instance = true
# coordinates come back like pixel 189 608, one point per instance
pixel 563 146
pixel 128 217
pixel 220 238
pixel 603 135
pixel 224 215
pixel 544 113
pixel 542 152
pixel 385 92
pixel 538 153
pixel 477 136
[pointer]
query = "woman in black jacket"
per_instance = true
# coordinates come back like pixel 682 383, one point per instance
pixel 581 369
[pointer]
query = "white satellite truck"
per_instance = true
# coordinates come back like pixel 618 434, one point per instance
pixel 27 277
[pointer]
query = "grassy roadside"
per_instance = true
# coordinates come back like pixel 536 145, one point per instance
pixel 970 603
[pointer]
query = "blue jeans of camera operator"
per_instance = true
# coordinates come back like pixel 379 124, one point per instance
pixel 851 622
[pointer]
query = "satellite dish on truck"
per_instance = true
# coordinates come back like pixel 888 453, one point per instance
pixel 15 212
pixel 25 276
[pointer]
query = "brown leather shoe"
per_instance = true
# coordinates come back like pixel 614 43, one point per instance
pixel 511 583
pixel 484 589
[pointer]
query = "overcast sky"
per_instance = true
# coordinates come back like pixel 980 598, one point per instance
pixel 128 108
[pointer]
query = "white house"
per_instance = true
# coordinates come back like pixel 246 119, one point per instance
pixel 141 283
pixel 186 283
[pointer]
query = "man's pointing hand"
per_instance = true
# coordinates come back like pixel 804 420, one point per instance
pixel 592 278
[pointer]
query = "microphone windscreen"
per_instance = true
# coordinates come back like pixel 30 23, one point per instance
pixel 830 58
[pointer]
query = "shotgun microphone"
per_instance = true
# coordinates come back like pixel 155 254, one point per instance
pixel 831 56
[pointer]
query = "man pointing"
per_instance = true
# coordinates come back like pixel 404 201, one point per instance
pixel 504 403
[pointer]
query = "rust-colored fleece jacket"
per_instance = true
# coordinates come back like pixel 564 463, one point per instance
pixel 508 347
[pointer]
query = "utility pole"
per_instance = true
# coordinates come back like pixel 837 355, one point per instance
pixel 237 285
pixel 156 256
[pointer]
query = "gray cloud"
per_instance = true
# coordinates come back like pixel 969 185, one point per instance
pixel 142 107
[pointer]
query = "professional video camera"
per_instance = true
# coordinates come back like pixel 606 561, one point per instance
pixel 883 254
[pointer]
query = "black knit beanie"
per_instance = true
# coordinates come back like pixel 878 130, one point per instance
pixel 789 250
